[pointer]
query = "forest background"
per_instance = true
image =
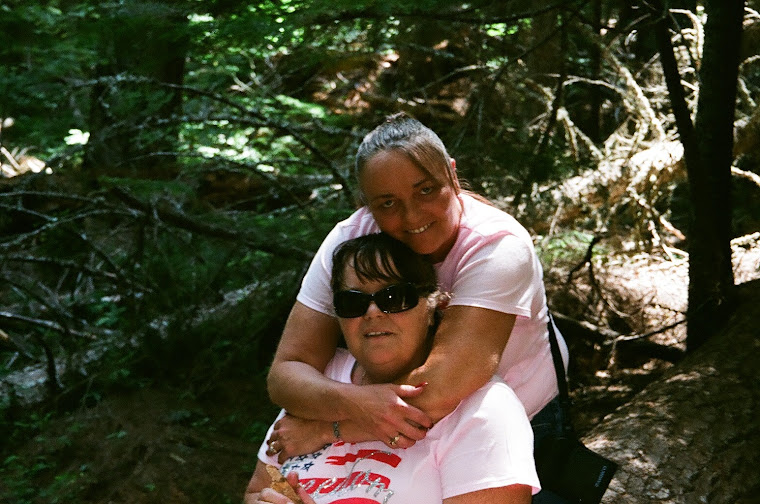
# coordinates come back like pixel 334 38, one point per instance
pixel 169 168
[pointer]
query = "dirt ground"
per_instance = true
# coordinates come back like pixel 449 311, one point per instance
pixel 147 446
pixel 167 446
pixel 156 446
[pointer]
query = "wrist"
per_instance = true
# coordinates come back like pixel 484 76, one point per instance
pixel 353 401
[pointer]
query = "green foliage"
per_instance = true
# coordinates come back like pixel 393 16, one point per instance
pixel 566 248
pixel 23 427
pixel 107 313
pixel 40 478
pixel 40 48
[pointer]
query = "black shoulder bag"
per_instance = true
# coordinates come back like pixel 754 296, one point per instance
pixel 564 465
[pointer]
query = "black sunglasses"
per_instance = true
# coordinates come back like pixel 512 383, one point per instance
pixel 392 299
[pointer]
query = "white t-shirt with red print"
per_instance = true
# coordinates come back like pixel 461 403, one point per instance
pixel 487 442
pixel 492 265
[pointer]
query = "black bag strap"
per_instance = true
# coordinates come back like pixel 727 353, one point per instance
pixel 559 369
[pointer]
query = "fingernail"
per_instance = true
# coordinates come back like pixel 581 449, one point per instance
pixel 422 384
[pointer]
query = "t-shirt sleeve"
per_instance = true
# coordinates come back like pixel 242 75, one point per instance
pixel 316 292
pixel 503 275
pixel 490 445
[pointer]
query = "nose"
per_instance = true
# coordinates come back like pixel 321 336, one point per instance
pixel 373 311
pixel 411 214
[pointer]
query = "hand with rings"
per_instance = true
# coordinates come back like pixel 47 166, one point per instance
pixel 293 436
pixel 273 447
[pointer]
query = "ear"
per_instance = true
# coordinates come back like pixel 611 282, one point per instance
pixel 455 180
pixel 439 300
pixel 442 300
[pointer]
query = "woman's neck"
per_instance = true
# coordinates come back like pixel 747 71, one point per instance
pixel 359 376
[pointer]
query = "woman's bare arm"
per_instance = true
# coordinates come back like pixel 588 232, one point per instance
pixel 512 494
pixel 466 352
pixel 259 481
pixel 295 436
pixel 295 379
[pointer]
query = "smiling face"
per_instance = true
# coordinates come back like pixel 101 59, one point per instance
pixel 386 345
pixel 410 204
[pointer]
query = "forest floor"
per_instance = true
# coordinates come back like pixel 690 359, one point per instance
pixel 164 445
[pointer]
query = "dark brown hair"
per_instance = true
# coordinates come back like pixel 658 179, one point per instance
pixel 381 257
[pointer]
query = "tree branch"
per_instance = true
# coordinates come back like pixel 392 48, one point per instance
pixel 184 221
pixel 437 15
pixel 51 325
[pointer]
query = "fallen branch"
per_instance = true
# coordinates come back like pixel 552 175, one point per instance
pixel 586 258
pixel 186 222
pixel 11 342
pixel 608 338
pixel 753 177
pixel 10 158
pixel 65 264
pixel 634 337
pixel 52 325
pixel 601 335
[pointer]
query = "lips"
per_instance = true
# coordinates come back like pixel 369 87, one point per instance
pixel 420 229
pixel 376 333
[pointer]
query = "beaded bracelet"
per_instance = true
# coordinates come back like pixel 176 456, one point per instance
pixel 336 430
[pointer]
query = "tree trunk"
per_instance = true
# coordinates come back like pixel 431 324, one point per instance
pixel 711 280
pixel 595 107
pixel 143 45
pixel 693 436
pixel 708 155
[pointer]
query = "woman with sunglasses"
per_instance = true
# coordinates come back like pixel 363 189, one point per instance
pixel 496 321
pixel 386 299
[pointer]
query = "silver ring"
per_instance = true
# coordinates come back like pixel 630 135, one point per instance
pixel 394 440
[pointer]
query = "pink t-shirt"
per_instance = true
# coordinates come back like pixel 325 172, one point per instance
pixel 487 442
pixel 492 265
